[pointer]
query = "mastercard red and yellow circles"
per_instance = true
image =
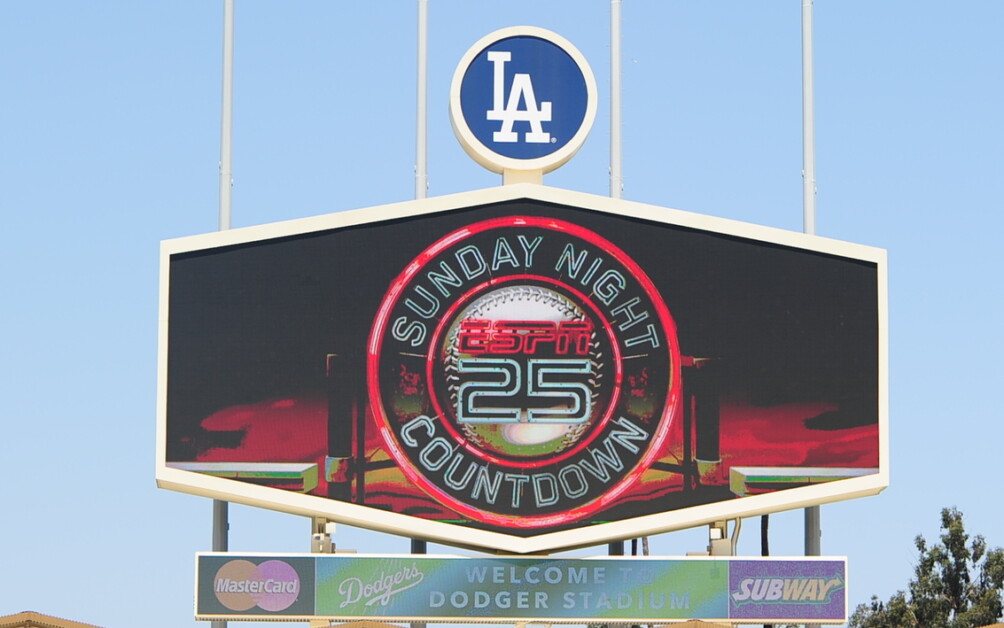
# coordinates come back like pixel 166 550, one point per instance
pixel 241 585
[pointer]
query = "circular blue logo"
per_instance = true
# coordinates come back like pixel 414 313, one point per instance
pixel 524 100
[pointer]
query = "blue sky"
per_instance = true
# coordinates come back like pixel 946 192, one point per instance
pixel 109 143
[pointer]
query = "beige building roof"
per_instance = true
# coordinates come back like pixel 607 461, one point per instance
pixel 31 619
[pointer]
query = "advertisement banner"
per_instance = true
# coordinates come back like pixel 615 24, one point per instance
pixel 452 589
pixel 522 369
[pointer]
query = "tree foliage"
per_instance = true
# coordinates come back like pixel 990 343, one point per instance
pixel 956 584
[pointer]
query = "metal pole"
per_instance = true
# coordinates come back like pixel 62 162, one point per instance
pixel 226 119
pixel 421 151
pixel 812 531
pixel 221 523
pixel 221 528
pixel 812 520
pixel 419 547
pixel 808 125
pixel 616 177
pixel 616 170
pixel 421 147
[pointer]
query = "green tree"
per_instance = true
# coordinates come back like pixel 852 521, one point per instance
pixel 957 583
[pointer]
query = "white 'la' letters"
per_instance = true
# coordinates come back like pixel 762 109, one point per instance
pixel 522 88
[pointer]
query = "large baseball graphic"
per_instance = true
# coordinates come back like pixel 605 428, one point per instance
pixel 565 343
pixel 523 369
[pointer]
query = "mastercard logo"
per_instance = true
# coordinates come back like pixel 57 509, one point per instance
pixel 241 585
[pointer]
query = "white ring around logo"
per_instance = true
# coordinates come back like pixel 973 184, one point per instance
pixel 493 160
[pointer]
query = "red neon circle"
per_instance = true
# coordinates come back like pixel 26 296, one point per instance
pixel 380 412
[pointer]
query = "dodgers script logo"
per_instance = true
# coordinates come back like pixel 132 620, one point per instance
pixel 523 99
pixel 523 370
pixel 379 590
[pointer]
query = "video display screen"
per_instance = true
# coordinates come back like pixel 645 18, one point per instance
pixel 522 366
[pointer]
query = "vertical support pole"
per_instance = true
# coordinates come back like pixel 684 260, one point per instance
pixel 808 125
pixel 221 528
pixel 421 135
pixel 421 150
pixel 221 522
pixel 764 535
pixel 616 176
pixel 226 118
pixel 321 542
pixel 765 544
pixel 418 547
pixel 812 518
pixel 813 533
pixel 615 548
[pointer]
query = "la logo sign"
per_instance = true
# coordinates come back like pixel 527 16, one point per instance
pixel 522 98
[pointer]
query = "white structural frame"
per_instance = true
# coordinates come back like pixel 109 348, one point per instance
pixel 409 526
pixel 500 163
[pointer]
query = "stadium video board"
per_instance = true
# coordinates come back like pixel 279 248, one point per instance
pixel 522 368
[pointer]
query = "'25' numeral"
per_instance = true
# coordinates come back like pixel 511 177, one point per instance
pixel 491 398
